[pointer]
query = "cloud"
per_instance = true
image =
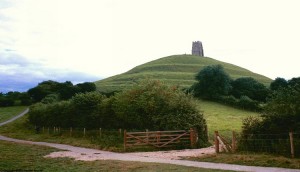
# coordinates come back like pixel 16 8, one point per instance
pixel 18 73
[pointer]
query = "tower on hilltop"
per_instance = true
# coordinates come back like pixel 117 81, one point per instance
pixel 197 49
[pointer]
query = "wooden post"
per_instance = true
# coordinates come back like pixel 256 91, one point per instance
pixel 120 131
pixel 71 129
pixel 100 132
pixel 192 137
pixel 217 142
pixel 83 132
pixel 125 140
pixel 292 145
pixel 158 137
pixel 233 141
pixel 147 135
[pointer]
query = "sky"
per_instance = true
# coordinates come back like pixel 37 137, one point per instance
pixel 88 40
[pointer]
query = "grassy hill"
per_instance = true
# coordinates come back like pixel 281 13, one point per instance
pixel 173 70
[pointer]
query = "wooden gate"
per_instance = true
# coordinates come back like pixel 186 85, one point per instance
pixel 159 139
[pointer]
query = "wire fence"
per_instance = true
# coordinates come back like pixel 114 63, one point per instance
pixel 286 144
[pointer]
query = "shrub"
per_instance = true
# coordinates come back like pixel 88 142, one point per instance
pixel 155 106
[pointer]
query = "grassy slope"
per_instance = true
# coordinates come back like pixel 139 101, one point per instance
pixel 221 117
pixel 18 157
pixel 174 70
pixel 8 112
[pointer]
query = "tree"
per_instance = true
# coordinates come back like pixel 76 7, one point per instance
pixel 66 90
pixel 213 82
pixel 86 87
pixel 249 87
pixel 43 89
pixel 278 83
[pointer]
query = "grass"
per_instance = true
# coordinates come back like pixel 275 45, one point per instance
pixel 7 113
pixel 223 118
pixel 251 159
pixel 173 70
pixel 22 129
pixel 21 157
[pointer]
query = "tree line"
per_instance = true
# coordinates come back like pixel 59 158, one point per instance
pixel 45 91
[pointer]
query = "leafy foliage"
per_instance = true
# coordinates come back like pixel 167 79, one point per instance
pixel 213 82
pixel 278 83
pixel 249 87
pixel 281 115
pixel 13 98
pixel 148 105
pixel 64 90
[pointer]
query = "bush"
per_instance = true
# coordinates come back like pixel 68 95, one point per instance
pixel 155 106
pixel 148 105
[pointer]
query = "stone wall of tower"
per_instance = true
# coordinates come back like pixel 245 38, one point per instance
pixel 197 49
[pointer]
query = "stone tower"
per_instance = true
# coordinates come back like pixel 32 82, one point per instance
pixel 197 49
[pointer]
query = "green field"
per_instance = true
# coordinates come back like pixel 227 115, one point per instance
pixel 19 157
pixel 221 117
pixel 7 113
pixel 177 70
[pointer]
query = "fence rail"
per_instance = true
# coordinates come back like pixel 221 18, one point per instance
pixel 159 139
pixel 287 144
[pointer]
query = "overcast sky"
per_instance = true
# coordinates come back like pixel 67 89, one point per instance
pixel 94 39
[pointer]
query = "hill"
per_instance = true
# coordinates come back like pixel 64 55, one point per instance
pixel 173 70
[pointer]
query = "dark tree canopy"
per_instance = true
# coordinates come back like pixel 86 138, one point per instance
pixel 213 82
pixel 278 83
pixel 249 87
pixel 65 90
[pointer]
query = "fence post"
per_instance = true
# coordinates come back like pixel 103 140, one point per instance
pixel 120 131
pixel 192 137
pixel 71 131
pixel 83 132
pixel 233 142
pixel 125 140
pixel 100 132
pixel 292 144
pixel 217 142
pixel 147 134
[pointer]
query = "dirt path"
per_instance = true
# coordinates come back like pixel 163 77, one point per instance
pixel 14 118
pixel 166 157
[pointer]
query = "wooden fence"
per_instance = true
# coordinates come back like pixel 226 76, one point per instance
pixel 159 139
pixel 286 143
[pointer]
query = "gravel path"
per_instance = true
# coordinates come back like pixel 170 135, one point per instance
pixel 166 157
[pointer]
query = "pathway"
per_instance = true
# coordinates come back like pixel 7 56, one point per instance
pixel 86 154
